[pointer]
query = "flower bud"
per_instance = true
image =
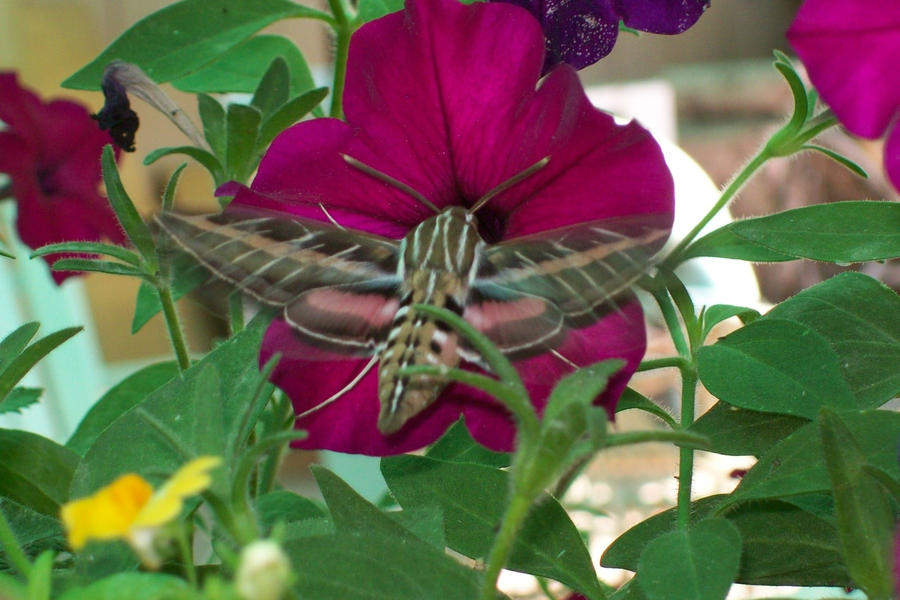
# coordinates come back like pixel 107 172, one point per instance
pixel 264 571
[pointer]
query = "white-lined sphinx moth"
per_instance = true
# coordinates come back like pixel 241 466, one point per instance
pixel 351 292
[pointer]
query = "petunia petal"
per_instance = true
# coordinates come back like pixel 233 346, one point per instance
pixel 848 47
pixel 18 106
pixel 892 155
pixel 661 16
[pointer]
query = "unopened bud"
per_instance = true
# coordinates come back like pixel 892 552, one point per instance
pixel 264 571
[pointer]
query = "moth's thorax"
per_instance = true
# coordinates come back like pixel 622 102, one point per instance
pixel 448 241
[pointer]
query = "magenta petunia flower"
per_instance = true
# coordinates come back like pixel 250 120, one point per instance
pixel 51 152
pixel 446 98
pixel 851 49
pixel 581 32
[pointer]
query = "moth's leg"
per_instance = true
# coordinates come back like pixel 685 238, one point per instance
pixel 342 391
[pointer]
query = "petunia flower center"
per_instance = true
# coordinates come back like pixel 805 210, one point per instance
pixel 47 180
pixel 491 224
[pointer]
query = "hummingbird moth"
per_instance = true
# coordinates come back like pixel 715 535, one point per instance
pixel 352 292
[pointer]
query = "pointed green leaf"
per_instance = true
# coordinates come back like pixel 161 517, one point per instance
pixel 473 499
pixel 35 532
pixel 838 158
pixel 702 559
pixel 739 432
pixel 123 254
pixel 288 114
pixel 775 365
pixel 794 466
pixel 860 318
pixel 273 89
pixel 457 445
pixel 631 399
pixel 205 158
pixel 117 401
pixel 286 507
pixel 126 213
pixel 725 243
pixel 369 10
pixel 16 368
pixel 19 398
pixel 184 37
pixel 241 68
pixel 212 115
pixel 98 266
pixel 168 197
pixel 715 314
pixel 35 471
pixel 865 517
pixel 798 90
pixel 14 343
pixel 242 125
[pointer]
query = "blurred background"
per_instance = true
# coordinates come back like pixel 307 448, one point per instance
pixel 711 91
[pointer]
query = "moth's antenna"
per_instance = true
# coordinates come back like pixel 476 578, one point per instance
pixel 510 182
pixel 564 359
pixel 342 391
pixel 330 218
pixel 385 178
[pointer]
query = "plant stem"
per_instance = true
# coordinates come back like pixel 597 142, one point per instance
pixel 13 550
pixel 730 192
pixel 661 363
pixel 174 326
pixel 512 520
pixel 661 295
pixel 343 29
pixel 187 556
pixel 686 455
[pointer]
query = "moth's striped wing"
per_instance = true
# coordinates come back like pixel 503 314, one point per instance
pixel 338 288
pixel 545 284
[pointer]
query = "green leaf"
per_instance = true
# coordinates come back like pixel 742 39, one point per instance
pixel 212 115
pixel 204 157
pixel 782 544
pixel 473 500
pixel 135 228
pixel 838 158
pixel 195 414
pixel 35 471
pixel 242 125
pixel 703 560
pixel 186 36
pixel 117 401
pixel 425 522
pixel 739 432
pixel 273 89
pixel 725 243
pixel 16 368
pixel 98 266
pixel 123 254
pixel 35 532
pixel 134 586
pixel 38 585
pixel 369 10
pixel 798 91
pixel 865 517
pixel 19 398
pixel 287 507
pixel 14 343
pixel 457 445
pixel 841 232
pixel 288 114
pixel 186 274
pixel 241 68
pixel 775 365
pixel 631 399
pixel 860 318
pixel 168 197
pixel 795 466
pixel 715 314
pixel 372 555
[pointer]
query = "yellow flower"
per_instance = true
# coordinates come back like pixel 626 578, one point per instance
pixel 129 509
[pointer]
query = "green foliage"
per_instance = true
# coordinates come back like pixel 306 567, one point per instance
pixel 185 37
pixel 35 471
pixel 134 586
pixel 17 357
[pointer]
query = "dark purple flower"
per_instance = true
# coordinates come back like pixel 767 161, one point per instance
pixel 851 49
pixel 581 32
pixel 116 116
pixel 446 98
pixel 51 152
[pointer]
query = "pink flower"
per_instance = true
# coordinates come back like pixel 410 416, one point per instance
pixel 51 152
pixel 447 99
pixel 851 49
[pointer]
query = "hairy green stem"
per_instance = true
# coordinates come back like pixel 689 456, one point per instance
pixel 515 515
pixel 674 257
pixel 343 30
pixel 686 455
pixel 14 551
pixel 661 295
pixel 661 363
pixel 174 326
